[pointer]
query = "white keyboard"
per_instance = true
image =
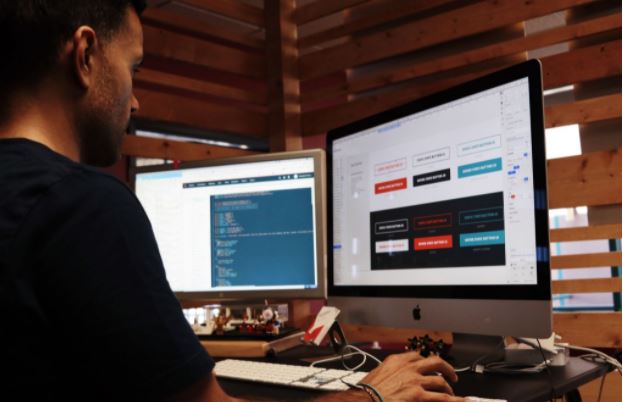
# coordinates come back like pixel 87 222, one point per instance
pixel 289 375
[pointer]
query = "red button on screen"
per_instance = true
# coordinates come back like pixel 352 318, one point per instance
pixel 392 185
pixel 432 243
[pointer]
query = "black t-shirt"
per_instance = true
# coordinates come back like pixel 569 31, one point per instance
pixel 86 312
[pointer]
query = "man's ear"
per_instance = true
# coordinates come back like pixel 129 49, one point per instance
pixel 85 48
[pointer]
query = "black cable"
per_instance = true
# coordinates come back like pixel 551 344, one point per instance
pixel 601 386
pixel 549 373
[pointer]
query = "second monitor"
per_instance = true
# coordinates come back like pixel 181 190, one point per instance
pixel 243 228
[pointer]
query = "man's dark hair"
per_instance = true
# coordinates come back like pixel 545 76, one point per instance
pixel 33 31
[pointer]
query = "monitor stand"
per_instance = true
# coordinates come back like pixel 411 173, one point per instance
pixel 468 349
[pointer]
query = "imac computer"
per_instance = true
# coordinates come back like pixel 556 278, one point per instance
pixel 437 212
pixel 247 228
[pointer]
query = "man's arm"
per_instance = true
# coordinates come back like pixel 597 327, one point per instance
pixel 404 377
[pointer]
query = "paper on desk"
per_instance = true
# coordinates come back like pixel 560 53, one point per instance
pixel 318 330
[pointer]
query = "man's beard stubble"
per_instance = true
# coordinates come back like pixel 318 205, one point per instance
pixel 99 135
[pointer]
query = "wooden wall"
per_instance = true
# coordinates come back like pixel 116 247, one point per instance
pixel 206 68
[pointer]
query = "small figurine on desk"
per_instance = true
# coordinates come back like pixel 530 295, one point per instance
pixel 427 346
pixel 271 321
pixel 221 321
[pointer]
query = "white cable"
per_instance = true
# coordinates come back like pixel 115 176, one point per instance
pixel 357 352
pixel 365 353
pixel 614 362
pixel 332 359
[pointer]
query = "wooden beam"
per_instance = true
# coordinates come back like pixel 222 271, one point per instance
pixel 322 120
pixel 149 76
pixel 589 179
pixel 437 29
pixel 162 43
pixel 384 12
pixel 318 9
pixel 155 16
pixel 597 232
pixel 610 391
pixel 176 150
pixel 367 333
pixel 582 64
pixel 584 111
pixel 592 329
pixel 610 259
pixel 234 9
pixel 594 285
pixel 497 50
pixel 284 110
pixel 171 108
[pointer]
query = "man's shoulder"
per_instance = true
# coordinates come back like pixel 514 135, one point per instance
pixel 29 173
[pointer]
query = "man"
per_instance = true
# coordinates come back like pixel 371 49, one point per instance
pixel 87 311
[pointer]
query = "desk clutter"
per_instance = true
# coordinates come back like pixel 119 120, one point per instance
pixel 253 322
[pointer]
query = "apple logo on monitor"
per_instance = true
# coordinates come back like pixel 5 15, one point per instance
pixel 416 313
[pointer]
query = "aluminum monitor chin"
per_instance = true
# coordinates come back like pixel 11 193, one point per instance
pixel 245 228
pixel 437 211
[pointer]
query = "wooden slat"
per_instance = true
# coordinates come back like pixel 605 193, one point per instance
pixel 366 333
pixel 427 32
pixel 589 179
pixel 154 16
pixel 593 329
pixel 162 43
pixel 384 12
pixel 176 150
pixel 596 232
pixel 284 110
pixel 531 42
pixel 610 259
pixel 594 285
pixel 146 75
pixel 165 107
pixel 234 9
pixel 319 121
pixel 584 111
pixel 611 390
pixel 582 64
pixel 321 8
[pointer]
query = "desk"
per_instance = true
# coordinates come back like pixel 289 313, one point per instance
pixel 517 388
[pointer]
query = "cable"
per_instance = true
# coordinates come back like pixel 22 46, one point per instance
pixel 601 387
pixel 357 352
pixel 549 373
pixel 332 359
pixel 609 359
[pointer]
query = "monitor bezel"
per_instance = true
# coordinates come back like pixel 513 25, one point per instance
pixel 319 292
pixel 530 69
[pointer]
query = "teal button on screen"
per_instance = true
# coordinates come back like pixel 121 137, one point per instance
pixel 473 169
pixel 481 238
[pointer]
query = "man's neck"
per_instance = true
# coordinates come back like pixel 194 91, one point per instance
pixel 43 121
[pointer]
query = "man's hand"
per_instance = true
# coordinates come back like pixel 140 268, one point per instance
pixel 410 377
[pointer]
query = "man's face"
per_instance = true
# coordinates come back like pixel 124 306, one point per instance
pixel 110 101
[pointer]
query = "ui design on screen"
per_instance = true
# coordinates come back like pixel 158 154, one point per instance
pixel 246 226
pixel 440 197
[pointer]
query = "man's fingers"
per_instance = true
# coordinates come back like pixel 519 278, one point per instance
pixel 437 397
pixel 404 358
pixel 437 384
pixel 434 365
